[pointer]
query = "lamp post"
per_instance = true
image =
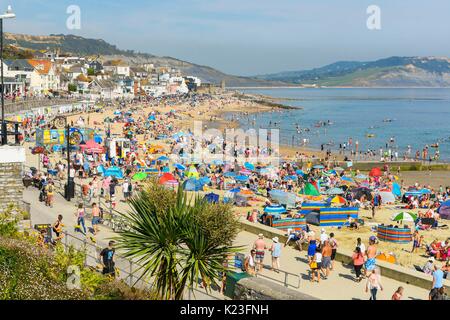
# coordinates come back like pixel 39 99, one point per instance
pixel 7 15
pixel 61 122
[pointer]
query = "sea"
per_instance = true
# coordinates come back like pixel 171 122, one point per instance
pixel 415 117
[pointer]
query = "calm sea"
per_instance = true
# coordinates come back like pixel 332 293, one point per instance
pixel 415 117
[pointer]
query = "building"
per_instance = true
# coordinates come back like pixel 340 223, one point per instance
pixel 44 77
pixel 117 67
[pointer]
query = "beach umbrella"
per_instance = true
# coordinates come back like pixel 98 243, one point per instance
pixel 404 216
pixel 335 191
pixel 241 178
pixel 163 158
pixel 347 179
pixel 117 112
pixel 338 200
pixel 293 178
pixel 361 176
pixel 140 176
pixel 235 190
pixel 338 169
pixel 229 174
pixel 318 166
pixel 375 172
pixel 249 166
pixel 192 172
pixel 425 191
pixel 205 180
pixel 444 210
pixel 274 209
pixel 300 172
pixel 180 167
pixel 38 150
pixel 387 197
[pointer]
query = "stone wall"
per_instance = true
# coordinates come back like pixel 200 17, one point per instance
pixel 11 172
pixel 253 288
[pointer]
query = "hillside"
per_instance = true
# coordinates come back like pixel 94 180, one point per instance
pixel 92 47
pixel 389 72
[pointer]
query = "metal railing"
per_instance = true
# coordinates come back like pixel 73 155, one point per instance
pixel 129 271
pixel 26 105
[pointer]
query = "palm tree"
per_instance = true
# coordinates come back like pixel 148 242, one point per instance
pixel 170 245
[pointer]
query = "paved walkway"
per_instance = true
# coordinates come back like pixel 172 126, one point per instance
pixel 339 285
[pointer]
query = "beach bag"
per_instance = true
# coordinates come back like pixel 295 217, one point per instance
pixel 313 265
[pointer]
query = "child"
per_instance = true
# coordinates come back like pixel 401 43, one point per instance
pixel 398 294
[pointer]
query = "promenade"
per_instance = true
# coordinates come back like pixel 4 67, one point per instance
pixel 339 285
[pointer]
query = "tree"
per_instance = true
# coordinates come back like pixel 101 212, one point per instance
pixel 91 72
pixel 72 87
pixel 170 245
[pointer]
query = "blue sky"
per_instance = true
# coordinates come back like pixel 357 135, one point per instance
pixel 248 37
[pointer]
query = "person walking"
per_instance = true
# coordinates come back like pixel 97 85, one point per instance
pixel 438 281
pixel 249 263
pixel 373 284
pixel 316 265
pixel 326 258
pixel 80 215
pixel 276 253
pixel 107 259
pixel 312 246
pixel 259 246
pixel 334 247
pixel 50 190
pixel 358 262
pixel 96 217
pixel 398 294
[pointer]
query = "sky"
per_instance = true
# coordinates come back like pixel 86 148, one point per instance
pixel 249 37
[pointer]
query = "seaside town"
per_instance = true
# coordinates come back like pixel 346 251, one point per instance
pixel 141 178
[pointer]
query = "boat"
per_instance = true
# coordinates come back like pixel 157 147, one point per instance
pixel 370 135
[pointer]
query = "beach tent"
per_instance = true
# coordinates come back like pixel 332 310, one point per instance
pixel 444 210
pixel 163 158
pixel 362 191
pixel 313 218
pixel 212 197
pixel 387 197
pixel 375 172
pixel 166 177
pixel 311 190
pixel 113 172
pixel 396 190
pixel 192 172
pixel 192 185
pixel 275 209
pixel 249 166
pixel 285 198
pixel 140 176
pixel 180 166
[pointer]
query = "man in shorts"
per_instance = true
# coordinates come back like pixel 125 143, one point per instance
pixel 259 246
pixel 326 258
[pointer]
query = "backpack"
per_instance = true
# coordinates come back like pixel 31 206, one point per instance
pixel 130 187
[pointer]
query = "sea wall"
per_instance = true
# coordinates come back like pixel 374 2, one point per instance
pixel 389 270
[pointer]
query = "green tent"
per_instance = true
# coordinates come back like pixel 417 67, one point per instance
pixel 139 176
pixel 310 190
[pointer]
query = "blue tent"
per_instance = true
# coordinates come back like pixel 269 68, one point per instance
pixel 249 166
pixel 396 190
pixel 212 198
pixel 163 158
pixel 166 169
pixel 180 167
pixel 193 185
pixel 152 118
pixel 98 139
pixel 113 172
